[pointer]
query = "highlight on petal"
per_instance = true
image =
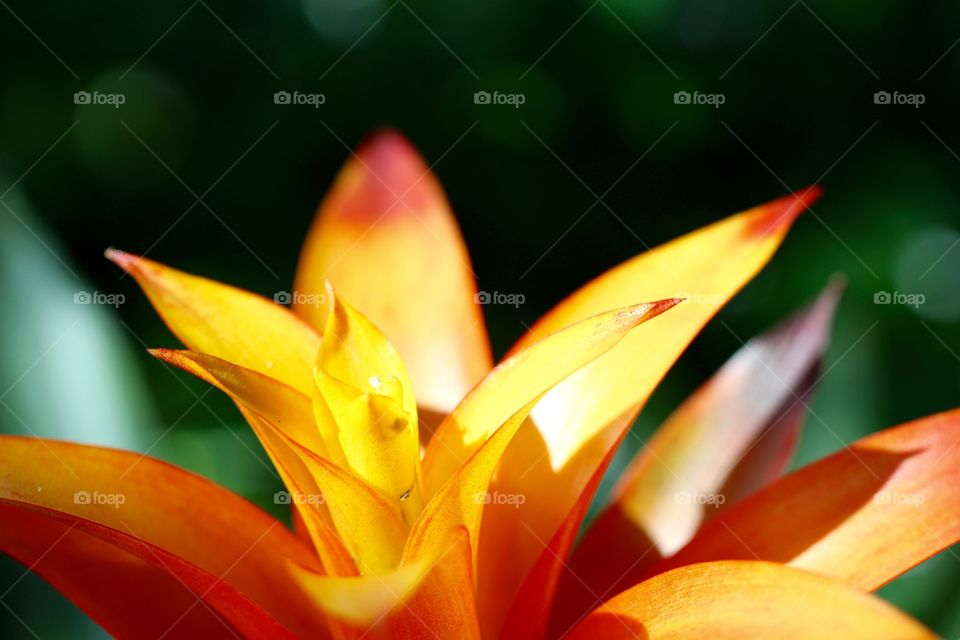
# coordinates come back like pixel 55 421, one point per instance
pixel 735 434
pixel 371 526
pixel 386 238
pixel 734 600
pixel 579 422
pixel 226 322
pixel 365 388
pixel 518 380
pixel 862 516
pixel 215 543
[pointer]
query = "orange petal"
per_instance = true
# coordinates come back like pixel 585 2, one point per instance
pixel 152 509
pixel 735 434
pixel 583 418
pixel 734 600
pixel 386 238
pixel 226 322
pixel 111 584
pixel 863 515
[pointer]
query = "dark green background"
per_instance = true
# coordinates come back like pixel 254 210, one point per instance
pixel 798 81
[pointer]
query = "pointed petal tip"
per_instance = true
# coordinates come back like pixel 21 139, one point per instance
pixel 647 310
pixel 120 258
pixel 386 175
pixel 780 213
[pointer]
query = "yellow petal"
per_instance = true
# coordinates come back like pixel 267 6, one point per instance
pixel 371 526
pixel 581 420
pixel 279 403
pixel 270 406
pixel 386 238
pixel 735 600
pixel 226 322
pixel 431 596
pixel 501 403
pixel 365 387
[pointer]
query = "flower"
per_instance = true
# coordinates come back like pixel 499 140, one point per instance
pixel 705 535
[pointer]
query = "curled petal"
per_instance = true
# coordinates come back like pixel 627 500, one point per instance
pixel 226 322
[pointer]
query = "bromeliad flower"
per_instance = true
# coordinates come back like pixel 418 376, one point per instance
pixel 434 495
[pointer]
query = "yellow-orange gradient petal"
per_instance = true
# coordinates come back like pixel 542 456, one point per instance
pixel 431 596
pixel 226 322
pixel 386 238
pixel 521 378
pixel 371 526
pixel 281 404
pixel 365 387
pixel 581 420
pixel 735 434
pixel 862 516
pixel 270 406
pixel 736 600
pixel 154 510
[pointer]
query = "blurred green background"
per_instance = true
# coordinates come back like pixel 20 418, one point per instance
pixel 200 168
